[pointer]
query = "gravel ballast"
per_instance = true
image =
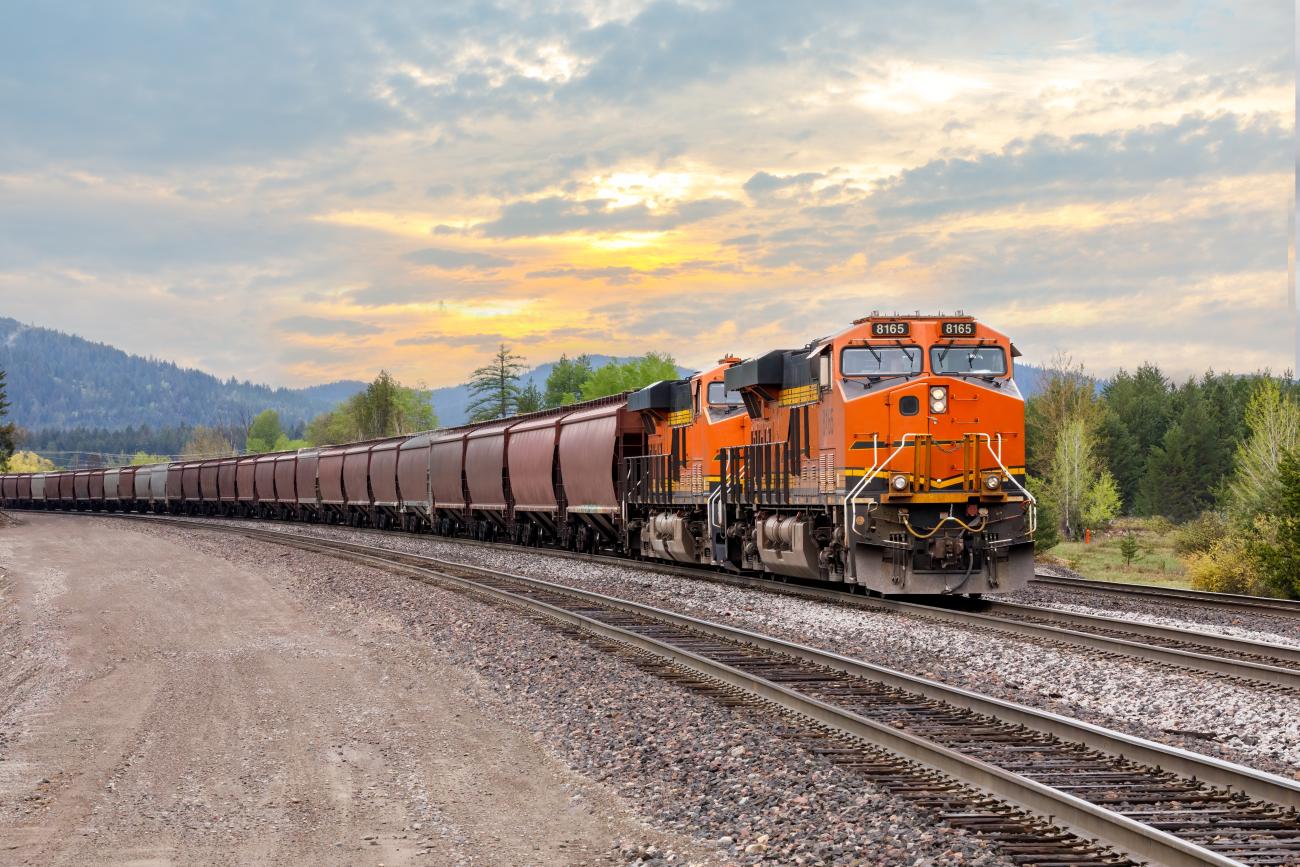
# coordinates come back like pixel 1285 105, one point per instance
pixel 1234 721
pixel 1268 628
pixel 720 774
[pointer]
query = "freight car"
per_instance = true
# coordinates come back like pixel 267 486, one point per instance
pixel 888 456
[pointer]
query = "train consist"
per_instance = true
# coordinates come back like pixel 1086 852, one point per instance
pixel 888 456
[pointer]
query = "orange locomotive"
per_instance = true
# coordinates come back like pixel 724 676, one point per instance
pixel 890 455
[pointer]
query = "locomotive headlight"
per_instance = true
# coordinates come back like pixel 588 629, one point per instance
pixel 899 483
pixel 992 482
pixel 938 399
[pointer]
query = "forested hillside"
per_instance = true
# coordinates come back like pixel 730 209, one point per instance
pixel 61 381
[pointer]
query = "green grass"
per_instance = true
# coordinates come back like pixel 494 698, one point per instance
pixel 1156 563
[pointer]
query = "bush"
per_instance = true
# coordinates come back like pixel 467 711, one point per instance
pixel 1200 534
pixel 1225 567
pixel 1160 525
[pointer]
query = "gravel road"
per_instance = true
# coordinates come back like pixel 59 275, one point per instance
pixel 178 708
pixel 232 702
pixel 1252 726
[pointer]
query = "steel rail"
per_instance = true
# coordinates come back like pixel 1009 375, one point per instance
pixel 1178 595
pixel 1287 655
pixel 1078 814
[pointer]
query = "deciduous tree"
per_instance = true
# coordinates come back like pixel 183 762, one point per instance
pixel 29 462
pixel 206 442
pixel 1273 431
pixel 1082 488
pixel 629 375
pixel 264 432
pixel 385 408
pixel 1066 393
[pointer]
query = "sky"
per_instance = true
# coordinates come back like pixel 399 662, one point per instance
pixel 295 193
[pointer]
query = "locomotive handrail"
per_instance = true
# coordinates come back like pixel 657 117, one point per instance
pixel 997 456
pixel 850 501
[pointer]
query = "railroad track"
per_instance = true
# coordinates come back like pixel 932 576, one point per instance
pixel 954 751
pixel 1177 596
pixel 1258 663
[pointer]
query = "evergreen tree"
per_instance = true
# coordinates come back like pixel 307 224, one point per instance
pixel 378 410
pixel 564 383
pixel 1048 535
pixel 530 399
pixel 1181 472
pixel 1127 459
pixel 7 431
pixel 1279 558
pixel 1137 412
pixel 494 388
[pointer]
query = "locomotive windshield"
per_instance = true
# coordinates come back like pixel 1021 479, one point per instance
pixel 968 360
pixel 720 396
pixel 880 360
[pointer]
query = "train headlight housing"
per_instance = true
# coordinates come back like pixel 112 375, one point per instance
pixel 938 399
pixel 992 483
pixel 898 483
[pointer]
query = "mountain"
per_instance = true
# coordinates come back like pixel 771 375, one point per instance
pixel 62 381
pixel 1028 379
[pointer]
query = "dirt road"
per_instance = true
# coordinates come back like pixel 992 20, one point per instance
pixel 172 707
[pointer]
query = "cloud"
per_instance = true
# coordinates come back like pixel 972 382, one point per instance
pixel 759 166
pixel 451 259
pixel 622 275
pixel 1089 166
pixel 402 292
pixel 763 184
pixel 490 339
pixel 556 215
pixel 319 326
pixel 365 190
